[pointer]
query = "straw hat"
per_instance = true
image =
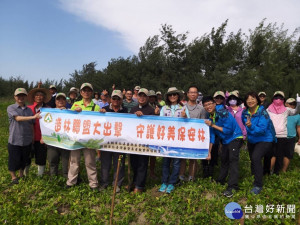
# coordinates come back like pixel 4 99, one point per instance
pixel 32 93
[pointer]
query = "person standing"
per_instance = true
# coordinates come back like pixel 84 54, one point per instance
pixel 72 97
pixel 135 94
pixel 86 104
pixel 139 163
pixel 223 125
pixel 54 153
pixel 160 100
pixel 261 135
pixel 108 158
pixel 172 109
pixel 53 92
pixel 195 111
pixel 293 124
pixel 38 97
pixel 21 120
pixel 279 114
pixel 104 99
pixel 128 102
pixel 263 99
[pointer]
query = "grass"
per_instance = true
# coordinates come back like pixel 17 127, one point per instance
pixel 44 201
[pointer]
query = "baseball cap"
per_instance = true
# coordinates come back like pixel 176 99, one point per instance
pixel 219 93
pixel 278 93
pixel 61 94
pixel 144 90
pixel 262 93
pixel 117 93
pixel 86 85
pixel 137 88
pixel 52 86
pixel 19 91
pixel 290 100
pixel 158 93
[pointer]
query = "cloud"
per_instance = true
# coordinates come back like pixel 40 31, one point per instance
pixel 136 20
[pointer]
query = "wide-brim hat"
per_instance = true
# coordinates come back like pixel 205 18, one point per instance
pixel 174 90
pixel 32 93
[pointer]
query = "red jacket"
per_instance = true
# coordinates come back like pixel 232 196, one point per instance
pixel 37 129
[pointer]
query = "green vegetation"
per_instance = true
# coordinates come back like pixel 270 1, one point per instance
pixel 44 200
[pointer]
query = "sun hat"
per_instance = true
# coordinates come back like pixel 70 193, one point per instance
pixel 174 90
pixel 32 93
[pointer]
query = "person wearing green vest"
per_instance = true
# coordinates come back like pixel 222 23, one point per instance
pixel 86 104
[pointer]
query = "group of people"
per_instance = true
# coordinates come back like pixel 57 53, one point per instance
pixel 270 131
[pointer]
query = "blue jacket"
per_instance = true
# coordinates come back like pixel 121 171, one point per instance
pixel 262 129
pixel 231 129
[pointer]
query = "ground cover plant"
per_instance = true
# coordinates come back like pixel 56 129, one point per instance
pixel 43 200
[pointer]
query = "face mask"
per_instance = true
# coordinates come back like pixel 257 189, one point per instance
pixel 232 102
pixel 278 102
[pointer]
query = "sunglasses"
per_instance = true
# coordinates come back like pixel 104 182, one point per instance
pixel 115 98
pixel 278 97
pixel 174 94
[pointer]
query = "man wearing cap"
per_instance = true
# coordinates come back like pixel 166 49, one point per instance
pixel 38 97
pixel 139 163
pixel 262 96
pixel 293 127
pixel 86 104
pixel 21 120
pixel 53 92
pixel 72 97
pixel 279 114
pixel 108 157
pixel 54 153
pixel 160 100
pixel 128 102
pixel 136 90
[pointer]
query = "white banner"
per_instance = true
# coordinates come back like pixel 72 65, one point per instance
pixel 125 133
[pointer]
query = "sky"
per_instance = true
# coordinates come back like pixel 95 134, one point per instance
pixel 50 39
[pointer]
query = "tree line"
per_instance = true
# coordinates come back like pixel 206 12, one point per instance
pixel 267 59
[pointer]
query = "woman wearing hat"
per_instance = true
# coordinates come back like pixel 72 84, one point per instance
pixel 261 135
pixel 38 97
pixel 172 109
pixel 279 114
pixel 233 103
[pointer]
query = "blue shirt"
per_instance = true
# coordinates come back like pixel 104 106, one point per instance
pixel 231 129
pixel 261 129
pixel 292 123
